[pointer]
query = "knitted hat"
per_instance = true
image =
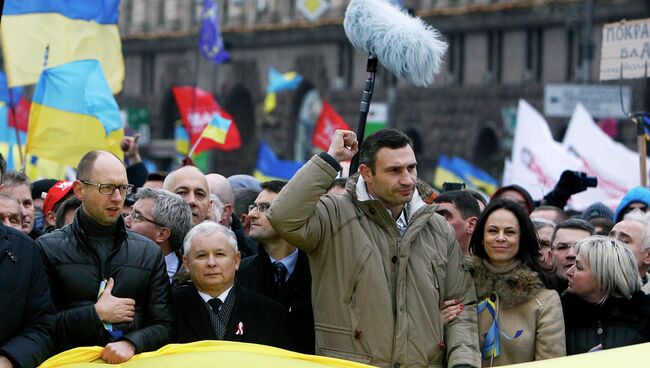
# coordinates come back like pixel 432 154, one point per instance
pixel 595 210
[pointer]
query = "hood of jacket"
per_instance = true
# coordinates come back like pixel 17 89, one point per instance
pixel 356 186
pixel 513 284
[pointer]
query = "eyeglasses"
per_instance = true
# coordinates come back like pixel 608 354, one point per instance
pixel 261 207
pixel 109 189
pixel 138 217
pixel 563 247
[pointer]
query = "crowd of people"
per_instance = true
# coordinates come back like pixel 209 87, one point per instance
pixel 377 268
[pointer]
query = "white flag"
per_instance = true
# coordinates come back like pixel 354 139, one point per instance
pixel 615 166
pixel 537 159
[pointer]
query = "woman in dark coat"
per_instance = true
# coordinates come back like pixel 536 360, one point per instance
pixel 604 306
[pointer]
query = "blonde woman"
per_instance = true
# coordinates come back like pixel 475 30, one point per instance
pixel 604 306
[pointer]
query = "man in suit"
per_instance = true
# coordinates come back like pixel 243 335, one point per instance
pixel 279 270
pixel 215 306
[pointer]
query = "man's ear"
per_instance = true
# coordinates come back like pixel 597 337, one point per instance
pixel 237 260
pixel 226 213
pixel 471 224
pixel 163 235
pixel 78 189
pixel 646 258
pixel 50 218
pixel 365 171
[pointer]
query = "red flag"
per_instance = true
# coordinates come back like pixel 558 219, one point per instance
pixel 198 108
pixel 328 122
pixel 19 118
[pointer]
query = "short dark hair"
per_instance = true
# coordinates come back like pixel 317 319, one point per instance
pixel 384 138
pixel 574 223
pixel 477 195
pixel 244 197
pixel 68 204
pixel 274 186
pixel 338 182
pixel 462 200
pixel 3 167
pixel 528 243
pixel 86 164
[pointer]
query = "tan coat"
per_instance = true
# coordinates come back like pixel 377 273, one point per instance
pixel 376 294
pixel 523 304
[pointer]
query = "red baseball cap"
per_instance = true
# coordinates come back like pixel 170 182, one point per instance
pixel 55 194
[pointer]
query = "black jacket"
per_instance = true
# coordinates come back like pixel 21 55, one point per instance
pixel 618 322
pixel 26 310
pixel 264 320
pixel 136 265
pixel 245 244
pixel 256 273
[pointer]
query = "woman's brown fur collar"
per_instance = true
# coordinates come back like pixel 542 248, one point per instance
pixel 513 285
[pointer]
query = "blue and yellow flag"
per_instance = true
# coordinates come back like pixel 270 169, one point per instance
pixel 446 172
pixel 270 167
pixel 279 82
pixel 182 140
pixel 457 170
pixel 73 112
pixel 73 29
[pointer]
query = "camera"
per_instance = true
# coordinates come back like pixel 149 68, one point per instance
pixel 448 186
pixel 588 181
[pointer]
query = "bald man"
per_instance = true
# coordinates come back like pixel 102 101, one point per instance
pixel 222 189
pixel 109 285
pixel 190 183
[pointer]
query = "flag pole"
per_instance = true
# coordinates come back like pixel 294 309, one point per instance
pixel 196 144
pixel 20 146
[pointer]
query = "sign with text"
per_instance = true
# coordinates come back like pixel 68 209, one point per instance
pixel 626 46
pixel 560 100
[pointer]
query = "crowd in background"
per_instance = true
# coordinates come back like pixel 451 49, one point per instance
pixel 131 261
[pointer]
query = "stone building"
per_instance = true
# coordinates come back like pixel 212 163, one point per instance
pixel 500 51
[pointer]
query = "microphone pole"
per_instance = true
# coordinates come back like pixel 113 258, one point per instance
pixel 364 107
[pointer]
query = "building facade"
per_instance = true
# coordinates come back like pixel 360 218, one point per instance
pixel 500 51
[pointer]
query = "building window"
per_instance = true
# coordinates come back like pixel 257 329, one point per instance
pixel 495 57
pixel 456 58
pixel 534 46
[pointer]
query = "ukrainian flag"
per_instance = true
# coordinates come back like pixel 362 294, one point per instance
pixel 181 139
pixel 73 29
pixel 270 167
pixel 446 172
pixel 217 129
pixel 476 177
pixel 73 112
pixel 279 82
pixel 457 170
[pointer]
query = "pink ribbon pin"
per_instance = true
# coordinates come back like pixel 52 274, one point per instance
pixel 240 329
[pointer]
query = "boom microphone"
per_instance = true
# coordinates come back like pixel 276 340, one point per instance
pixel 405 45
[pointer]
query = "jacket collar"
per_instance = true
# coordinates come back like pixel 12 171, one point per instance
pixel 513 284
pixel 356 186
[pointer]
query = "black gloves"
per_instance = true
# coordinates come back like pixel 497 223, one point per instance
pixel 570 183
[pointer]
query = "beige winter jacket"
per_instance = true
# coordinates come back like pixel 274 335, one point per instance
pixel 522 304
pixel 376 294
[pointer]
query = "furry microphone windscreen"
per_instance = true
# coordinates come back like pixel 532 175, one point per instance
pixel 405 45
